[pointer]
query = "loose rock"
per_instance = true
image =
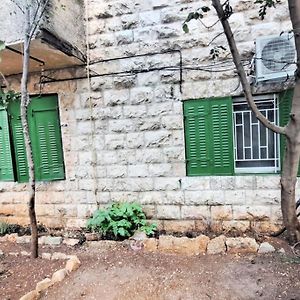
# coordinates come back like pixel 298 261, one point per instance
pixel 71 242
pixel 139 236
pixel 43 285
pixel 150 244
pixel 46 255
pixel 92 236
pixel 266 248
pixel 23 239
pixel 185 246
pixel 11 237
pixel 165 243
pixel 202 242
pixel 58 255
pixel 241 245
pixel 33 295
pixel 59 275
pixel 73 264
pixel 217 245
pixel 103 245
pixel 41 240
pixel 53 240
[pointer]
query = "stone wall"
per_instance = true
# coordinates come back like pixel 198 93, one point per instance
pixel 63 19
pixel 132 149
pixel 11 21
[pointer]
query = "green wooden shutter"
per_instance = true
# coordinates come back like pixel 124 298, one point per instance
pixel 45 135
pixel 196 117
pixel 6 167
pixel 222 136
pixel 208 135
pixel 285 106
pixel 18 141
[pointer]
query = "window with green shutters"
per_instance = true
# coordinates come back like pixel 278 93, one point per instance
pixel 208 135
pixel 45 135
pixel 211 137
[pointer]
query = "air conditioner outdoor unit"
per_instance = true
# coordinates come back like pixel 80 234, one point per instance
pixel 275 57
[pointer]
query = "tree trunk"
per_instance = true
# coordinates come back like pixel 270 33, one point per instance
pixel 24 107
pixel 291 131
pixel 290 170
pixel 292 152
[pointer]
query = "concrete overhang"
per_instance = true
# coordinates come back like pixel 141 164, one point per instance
pixel 58 41
pixel 43 57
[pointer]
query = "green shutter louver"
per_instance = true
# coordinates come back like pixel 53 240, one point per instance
pixel 222 137
pixel 6 167
pixel 46 138
pixel 285 106
pixel 208 134
pixel 18 141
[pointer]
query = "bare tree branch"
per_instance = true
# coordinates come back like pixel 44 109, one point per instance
pixel 18 5
pixel 36 21
pixel 240 69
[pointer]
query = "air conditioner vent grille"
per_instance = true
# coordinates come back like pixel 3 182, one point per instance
pixel 275 57
pixel 278 54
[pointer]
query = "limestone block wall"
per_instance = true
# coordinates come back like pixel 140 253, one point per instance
pixel 63 19
pixel 133 149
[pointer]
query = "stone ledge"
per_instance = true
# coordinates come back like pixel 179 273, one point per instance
pixel 72 264
pixel 43 240
pixel 204 245
pixel 200 245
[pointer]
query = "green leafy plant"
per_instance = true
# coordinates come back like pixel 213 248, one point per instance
pixel 197 15
pixel 6 97
pixel 4 228
pixel 120 220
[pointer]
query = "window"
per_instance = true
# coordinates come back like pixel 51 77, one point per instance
pixel 256 148
pixel 45 136
pixel 223 137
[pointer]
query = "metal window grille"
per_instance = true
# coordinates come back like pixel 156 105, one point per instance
pixel 256 148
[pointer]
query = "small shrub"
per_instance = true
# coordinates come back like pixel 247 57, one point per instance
pixel 4 228
pixel 120 220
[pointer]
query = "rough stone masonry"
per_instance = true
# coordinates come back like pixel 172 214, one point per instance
pixel 123 136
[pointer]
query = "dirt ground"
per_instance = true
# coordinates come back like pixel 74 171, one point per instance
pixel 116 272
pixel 19 274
